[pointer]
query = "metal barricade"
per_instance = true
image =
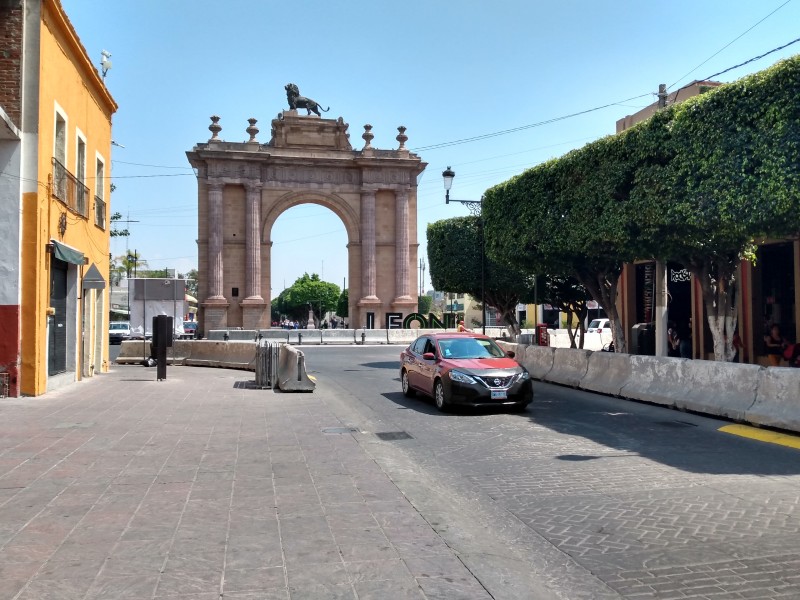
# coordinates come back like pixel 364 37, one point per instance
pixel 267 364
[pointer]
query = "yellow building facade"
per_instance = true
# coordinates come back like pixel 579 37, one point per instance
pixel 65 196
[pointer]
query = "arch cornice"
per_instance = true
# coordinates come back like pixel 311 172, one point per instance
pixel 349 217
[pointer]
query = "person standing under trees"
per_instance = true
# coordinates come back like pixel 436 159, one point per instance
pixel 673 341
pixel 685 339
pixel 775 345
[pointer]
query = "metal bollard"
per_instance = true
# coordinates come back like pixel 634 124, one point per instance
pixel 363 337
pixel 225 336
pixel 299 339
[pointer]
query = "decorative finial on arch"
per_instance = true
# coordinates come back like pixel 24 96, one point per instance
pixel 368 135
pixel 214 128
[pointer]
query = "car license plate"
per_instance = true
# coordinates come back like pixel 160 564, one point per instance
pixel 499 395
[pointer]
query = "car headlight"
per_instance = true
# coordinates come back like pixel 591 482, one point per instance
pixel 461 377
pixel 523 376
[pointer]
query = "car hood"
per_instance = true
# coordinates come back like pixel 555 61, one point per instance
pixel 482 364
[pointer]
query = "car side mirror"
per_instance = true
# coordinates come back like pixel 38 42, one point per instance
pixel 429 356
pixel 511 354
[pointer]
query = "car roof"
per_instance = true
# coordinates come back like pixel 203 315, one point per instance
pixel 455 334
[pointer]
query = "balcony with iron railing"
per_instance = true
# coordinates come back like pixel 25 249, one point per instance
pixel 99 212
pixel 69 190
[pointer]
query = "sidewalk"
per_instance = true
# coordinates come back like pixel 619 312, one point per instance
pixel 200 487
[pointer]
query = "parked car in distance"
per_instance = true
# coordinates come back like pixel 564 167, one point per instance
pixel 118 331
pixel 189 330
pixel 464 368
pixel 598 326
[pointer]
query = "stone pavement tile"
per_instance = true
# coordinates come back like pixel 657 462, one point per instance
pixel 441 589
pixel 56 589
pixel 317 574
pixel 253 555
pixel 281 594
pixel 360 535
pixel 378 570
pixel 352 552
pixel 444 566
pixel 322 592
pixel 381 590
pixel 358 509
pixel 423 548
pixel 302 553
pixel 127 587
pixel 189 582
pixel 245 580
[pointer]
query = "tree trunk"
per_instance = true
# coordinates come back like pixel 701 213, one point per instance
pixel 718 284
pixel 602 286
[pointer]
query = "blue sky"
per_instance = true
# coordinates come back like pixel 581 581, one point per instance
pixel 448 71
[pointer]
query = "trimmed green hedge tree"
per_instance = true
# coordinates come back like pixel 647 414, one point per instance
pixel 697 184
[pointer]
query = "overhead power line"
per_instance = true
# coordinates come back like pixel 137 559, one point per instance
pixel 523 127
pixel 741 35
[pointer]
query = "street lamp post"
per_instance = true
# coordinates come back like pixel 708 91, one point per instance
pixel 475 208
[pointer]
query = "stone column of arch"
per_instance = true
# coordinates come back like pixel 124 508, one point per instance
pixel 402 291
pixel 368 267
pixel 215 218
pixel 253 242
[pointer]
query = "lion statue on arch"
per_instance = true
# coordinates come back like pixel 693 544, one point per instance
pixel 297 101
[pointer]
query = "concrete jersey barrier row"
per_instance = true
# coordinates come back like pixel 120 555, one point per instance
pixel 748 393
pixel 292 374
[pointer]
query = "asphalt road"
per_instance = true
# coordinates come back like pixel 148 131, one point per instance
pixel 582 495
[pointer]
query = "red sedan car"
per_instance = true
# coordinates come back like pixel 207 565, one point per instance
pixel 464 368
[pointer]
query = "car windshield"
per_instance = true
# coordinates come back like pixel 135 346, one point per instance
pixel 469 347
pixel 594 324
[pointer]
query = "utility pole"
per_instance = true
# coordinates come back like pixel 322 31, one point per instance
pixel 661 316
pixel 662 95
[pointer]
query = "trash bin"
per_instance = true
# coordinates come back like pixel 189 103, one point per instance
pixel 643 339
pixel 162 339
pixel 542 338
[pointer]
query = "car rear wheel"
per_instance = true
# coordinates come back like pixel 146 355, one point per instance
pixel 439 397
pixel 407 391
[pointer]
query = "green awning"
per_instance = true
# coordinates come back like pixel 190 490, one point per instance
pixel 67 254
pixel 93 280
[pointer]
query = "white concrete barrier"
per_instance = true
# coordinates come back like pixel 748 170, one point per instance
pixel 569 366
pixel 538 360
pixel 338 336
pixel 371 336
pixel 133 352
pixel 715 388
pixel 656 381
pixel 274 335
pixel 305 337
pixel 292 376
pixel 401 336
pixel 777 399
pixel 231 355
pixel 607 372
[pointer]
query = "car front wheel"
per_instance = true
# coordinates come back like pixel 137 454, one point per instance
pixel 407 391
pixel 439 396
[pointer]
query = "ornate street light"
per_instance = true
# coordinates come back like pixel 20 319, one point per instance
pixel 475 208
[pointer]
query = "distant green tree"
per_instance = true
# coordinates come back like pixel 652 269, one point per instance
pixel 343 305
pixel 115 218
pixel 424 304
pixel 308 291
pixel 191 282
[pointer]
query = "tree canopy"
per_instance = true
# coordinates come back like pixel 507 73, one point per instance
pixel 454 255
pixel 308 291
pixel 697 183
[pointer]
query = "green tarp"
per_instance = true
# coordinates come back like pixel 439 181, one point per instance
pixel 67 254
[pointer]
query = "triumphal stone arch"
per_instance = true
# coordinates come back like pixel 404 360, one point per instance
pixel 243 187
